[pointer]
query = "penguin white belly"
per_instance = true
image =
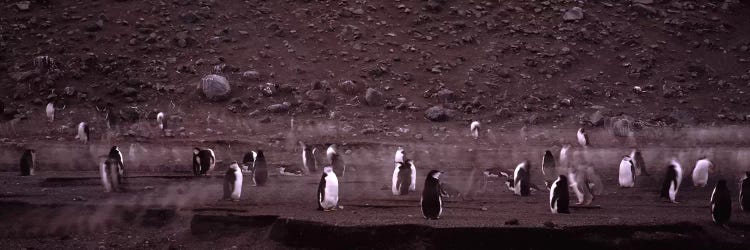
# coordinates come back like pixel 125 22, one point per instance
pixel 331 198
pixel 440 202
pixel 581 139
pixel 304 160
pixel 105 177
pixel 394 186
pixel 413 186
pixel 553 205
pixel 626 175
pixel 237 191
pixel 700 175
pixel 576 187
pixel 672 191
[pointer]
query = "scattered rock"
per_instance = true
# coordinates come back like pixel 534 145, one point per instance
pixel 549 224
pixel 129 114
pixel 269 89
pixel 349 87
pixel 215 87
pixel 596 118
pixel 251 75
pixel 503 113
pixel 512 222
pixel 23 5
pixel 79 198
pixel 643 1
pixel 373 97
pixel 575 13
pixel 279 108
pixel 437 114
pixel 446 95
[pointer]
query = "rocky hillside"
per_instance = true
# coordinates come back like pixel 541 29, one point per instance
pixel 514 62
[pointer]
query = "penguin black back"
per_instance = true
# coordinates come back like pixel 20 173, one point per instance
pixel 404 177
pixel 560 196
pixel 28 161
pixel 248 159
pixel 669 179
pixel 548 161
pixel 745 193
pixel 229 179
pixel 640 163
pixel 523 178
pixel 721 203
pixel 431 201
pixel 338 165
pixel 322 190
pixel 260 169
pixel 116 157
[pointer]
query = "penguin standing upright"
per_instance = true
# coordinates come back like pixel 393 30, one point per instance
pixel 548 168
pixel 115 156
pixel 328 190
pixel 700 173
pixel 627 172
pixel 559 199
pixel 50 112
pixel 204 160
pixel 399 161
pixel 432 201
pixel 28 162
pixel 260 169
pixel 233 182
pixel 672 181
pixel 583 138
pixel 110 175
pixel 745 192
pixel 721 203
pixel 640 164
pixel 339 167
pixel 565 160
pixel 521 184
pixel 403 178
pixel 307 158
pixel 248 161
pixel 161 119
pixel 475 129
pixel 83 132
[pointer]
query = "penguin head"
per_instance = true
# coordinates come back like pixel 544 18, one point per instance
pixel 196 151
pixel 526 164
pixel 435 174
pixel 234 165
pixel 563 180
pixel 747 174
pixel 259 154
pixel 328 169
pixel 114 148
pixel 581 130
pixel 626 158
pixel 721 184
pixel 548 153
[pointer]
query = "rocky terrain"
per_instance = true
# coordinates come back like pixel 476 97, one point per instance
pixel 514 63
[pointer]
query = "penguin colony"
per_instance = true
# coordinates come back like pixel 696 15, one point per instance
pixel 581 179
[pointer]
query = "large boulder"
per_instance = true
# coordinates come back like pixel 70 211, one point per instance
pixel 373 97
pixel 437 114
pixel 215 87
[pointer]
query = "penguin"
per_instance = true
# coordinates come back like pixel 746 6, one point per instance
pixel 83 132
pixel 399 157
pixel 307 158
pixel 260 169
pixel 721 203
pixel 116 157
pixel 583 138
pixel 672 181
pixel 110 175
pixel 50 112
pixel 559 198
pixel 28 162
pixel 336 162
pixel 412 175
pixel 248 160
pixel 315 159
pixel 161 119
pixel 475 129
pixel 548 168
pixel 431 201
pixel 700 173
pixel 521 180
pixel 233 182
pixel 565 155
pixel 403 178
pixel 586 184
pixel 745 192
pixel 640 164
pixel 204 160
pixel 627 172
pixel 328 190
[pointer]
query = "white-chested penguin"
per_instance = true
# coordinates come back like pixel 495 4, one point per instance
pixel 559 198
pixel 402 181
pixel 475 129
pixel 28 162
pixel 521 184
pixel 233 182
pixel 583 138
pixel 110 174
pixel 115 156
pixel 399 162
pixel 339 167
pixel 248 161
pixel 672 181
pixel 700 173
pixel 204 160
pixel 640 164
pixel 50 112
pixel 432 192
pixel 721 203
pixel 627 172
pixel 745 192
pixel 161 119
pixel 328 190
pixel 83 132
pixel 307 158
pixel 585 183
pixel 549 170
